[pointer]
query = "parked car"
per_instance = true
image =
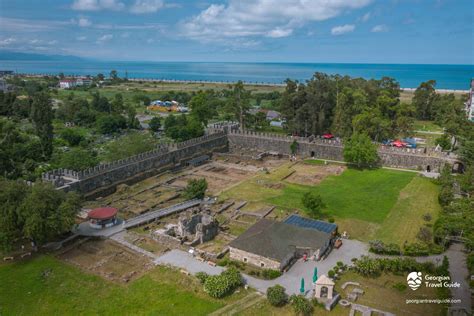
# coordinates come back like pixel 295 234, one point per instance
pixel 328 136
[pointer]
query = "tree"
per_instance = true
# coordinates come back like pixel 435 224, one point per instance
pixel 155 124
pixel 313 203
pixel 195 189
pixel 72 136
pixel 12 194
pixel 294 147
pixel 77 159
pixel 276 295
pixel 423 100
pixel 129 145
pixel 109 124
pixel 201 107
pixel 239 102
pixel 47 212
pixel 360 151
pixel 42 117
pixel 113 75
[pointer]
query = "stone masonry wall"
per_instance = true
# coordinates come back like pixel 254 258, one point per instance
pixel 256 260
pixel 149 163
pixel 416 159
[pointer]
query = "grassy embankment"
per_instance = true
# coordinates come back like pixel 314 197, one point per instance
pixel 368 204
pixel 47 286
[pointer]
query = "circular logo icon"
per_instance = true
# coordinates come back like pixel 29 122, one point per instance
pixel 414 280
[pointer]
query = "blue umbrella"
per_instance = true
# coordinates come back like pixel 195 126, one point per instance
pixel 315 274
pixel 302 286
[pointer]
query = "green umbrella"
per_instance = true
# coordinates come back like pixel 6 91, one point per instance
pixel 302 286
pixel 315 274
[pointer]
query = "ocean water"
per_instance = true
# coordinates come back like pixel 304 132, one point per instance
pixel 455 77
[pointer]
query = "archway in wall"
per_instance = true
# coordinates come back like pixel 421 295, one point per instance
pixel 458 167
pixel 324 291
pixel 428 168
pixel 312 154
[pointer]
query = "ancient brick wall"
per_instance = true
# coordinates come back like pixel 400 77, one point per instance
pixel 254 259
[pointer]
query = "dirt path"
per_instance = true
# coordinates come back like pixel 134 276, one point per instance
pixel 459 273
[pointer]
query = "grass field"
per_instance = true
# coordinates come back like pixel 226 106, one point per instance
pixel 25 289
pixel 368 204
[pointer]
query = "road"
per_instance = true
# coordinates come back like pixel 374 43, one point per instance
pixel 459 273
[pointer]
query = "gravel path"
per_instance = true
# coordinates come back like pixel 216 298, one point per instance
pixel 459 273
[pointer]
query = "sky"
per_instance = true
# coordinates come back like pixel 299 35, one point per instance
pixel 319 31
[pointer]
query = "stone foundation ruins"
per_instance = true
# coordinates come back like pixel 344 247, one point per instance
pixel 222 137
pixel 192 229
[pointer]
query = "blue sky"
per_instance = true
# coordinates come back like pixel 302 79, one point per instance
pixel 345 31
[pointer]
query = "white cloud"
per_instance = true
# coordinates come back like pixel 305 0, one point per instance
pixel 274 18
pixel 343 29
pixel 365 17
pixel 7 41
pixel 104 38
pixel 24 25
pixel 81 38
pixel 279 32
pixel 84 22
pixel 380 28
pixel 95 5
pixel 150 41
pixel 53 42
pixel 146 6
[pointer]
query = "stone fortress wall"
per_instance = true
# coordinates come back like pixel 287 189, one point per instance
pixel 222 137
pixel 137 167
pixel 332 149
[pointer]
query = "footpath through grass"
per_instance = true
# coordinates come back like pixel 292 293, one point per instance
pixel 47 286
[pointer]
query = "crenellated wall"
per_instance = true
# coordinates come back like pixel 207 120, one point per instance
pixel 108 176
pixel 332 149
pixel 103 179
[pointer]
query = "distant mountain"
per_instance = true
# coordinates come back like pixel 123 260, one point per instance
pixel 10 55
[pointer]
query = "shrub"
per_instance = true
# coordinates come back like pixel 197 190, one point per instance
pixel 340 264
pixel 233 277
pixel 276 295
pixel 331 220
pixel 446 195
pixel 224 262
pixel 217 286
pixel 331 273
pixel 372 267
pixel 270 274
pixel 224 284
pixel 195 189
pixel 202 277
pixel 301 305
pixel 427 217
pixel 425 235
pixel 379 247
pixel 416 249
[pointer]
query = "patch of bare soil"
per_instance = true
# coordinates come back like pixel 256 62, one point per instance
pixel 313 174
pixel 107 259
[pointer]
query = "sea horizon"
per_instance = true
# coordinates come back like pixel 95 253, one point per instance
pixel 447 76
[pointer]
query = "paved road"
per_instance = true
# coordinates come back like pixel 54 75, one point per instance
pixel 290 280
pixel 459 273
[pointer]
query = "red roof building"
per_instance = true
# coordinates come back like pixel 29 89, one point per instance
pixel 102 217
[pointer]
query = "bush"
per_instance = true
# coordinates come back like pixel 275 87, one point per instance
pixel 446 195
pixel 276 295
pixel 372 267
pixel 195 189
pixel 425 235
pixel 427 217
pixel 270 274
pixel 301 305
pixel 224 262
pixel 340 264
pixel 331 273
pixel 416 249
pixel 202 277
pixel 218 286
pixel 379 247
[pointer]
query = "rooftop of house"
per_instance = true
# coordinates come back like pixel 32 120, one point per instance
pixel 278 240
pixel 309 223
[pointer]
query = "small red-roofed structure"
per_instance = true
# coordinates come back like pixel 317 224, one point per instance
pixel 102 217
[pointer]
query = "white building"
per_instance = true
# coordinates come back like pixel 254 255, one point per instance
pixel 67 83
pixel 470 103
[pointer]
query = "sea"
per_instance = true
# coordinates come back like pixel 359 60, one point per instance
pixel 450 77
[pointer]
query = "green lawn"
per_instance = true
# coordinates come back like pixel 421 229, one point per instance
pixel 369 204
pixel 67 291
pixel 366 195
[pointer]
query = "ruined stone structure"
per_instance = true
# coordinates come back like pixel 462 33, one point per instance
pixel 192 229
pixel 221 137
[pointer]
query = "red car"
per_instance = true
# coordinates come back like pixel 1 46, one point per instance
pixel 328 136
pixel 399 144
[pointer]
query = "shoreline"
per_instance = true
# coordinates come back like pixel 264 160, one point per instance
pixel 248 83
